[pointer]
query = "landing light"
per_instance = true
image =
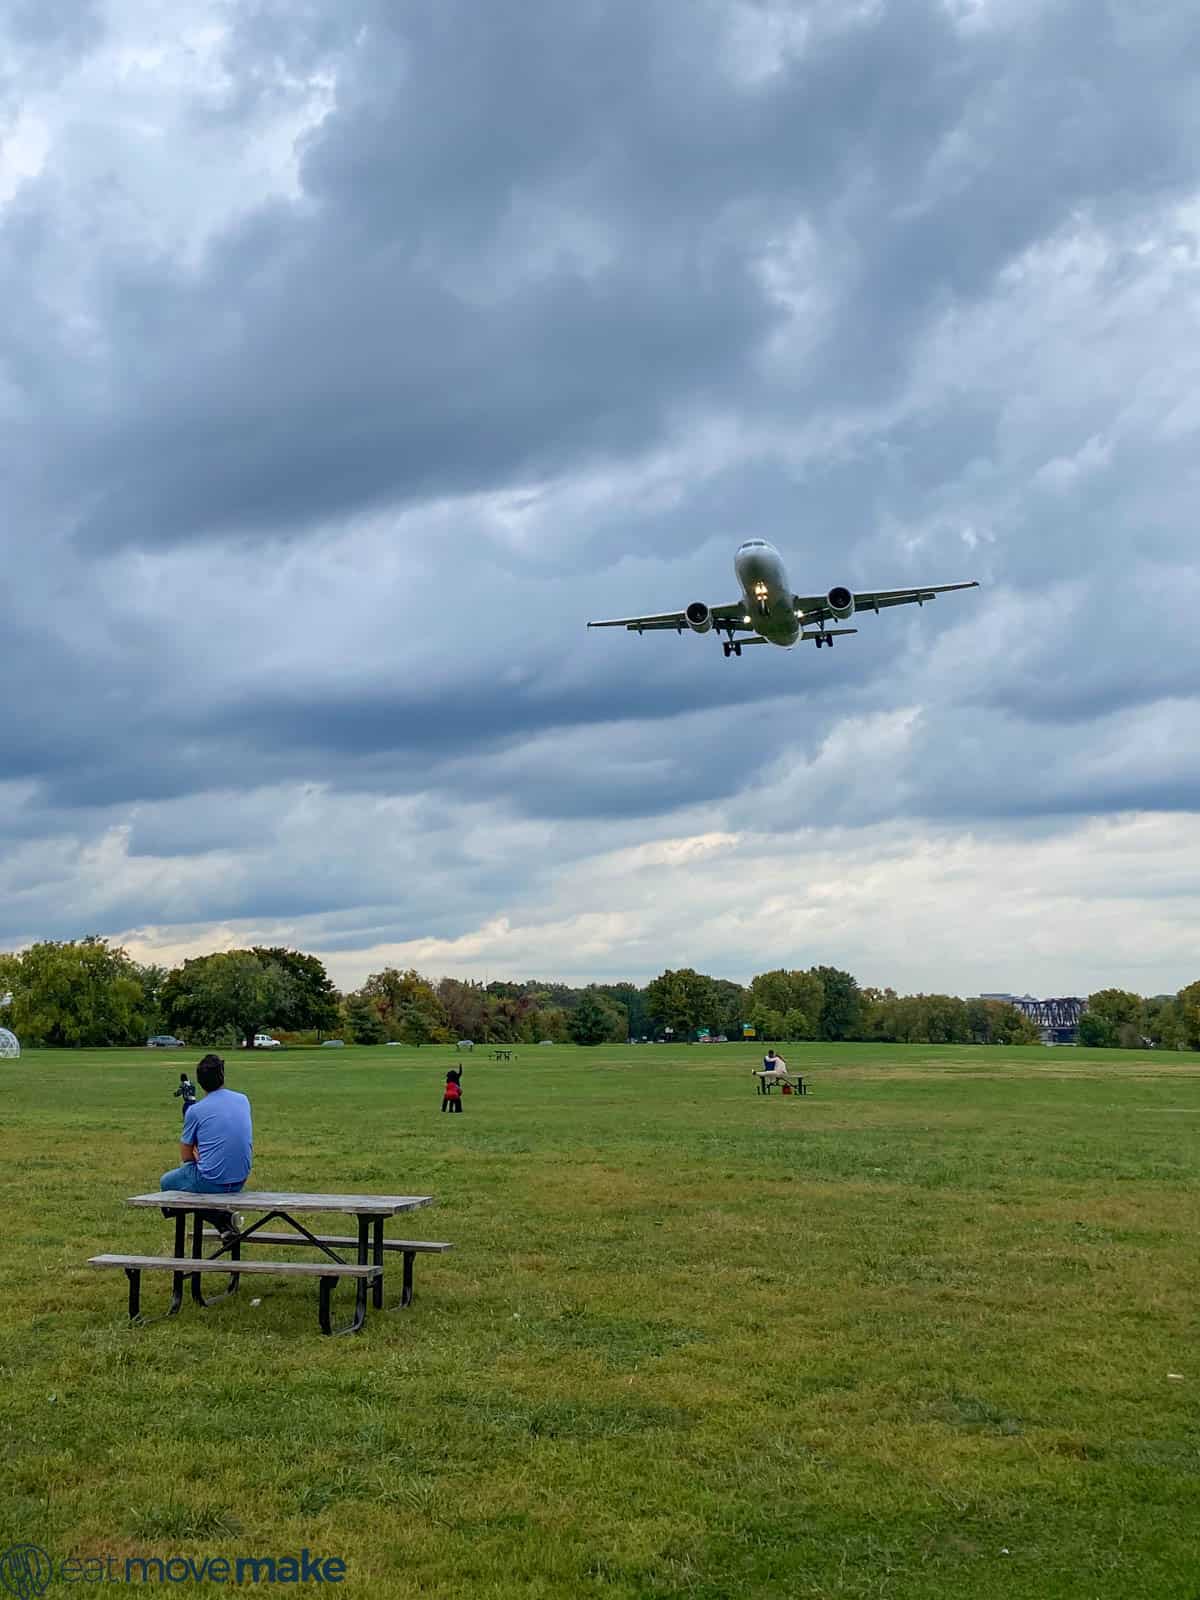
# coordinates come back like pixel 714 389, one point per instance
pixel 746 620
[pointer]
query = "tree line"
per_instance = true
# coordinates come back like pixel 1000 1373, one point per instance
pixel 88 992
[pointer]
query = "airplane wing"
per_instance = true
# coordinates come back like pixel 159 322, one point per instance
pixel 815 607
pixel 724 618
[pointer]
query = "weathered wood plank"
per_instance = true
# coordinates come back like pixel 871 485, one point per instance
pixel 371 1205
pixel 188 1265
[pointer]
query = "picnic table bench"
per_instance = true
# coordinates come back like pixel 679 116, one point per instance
pixel 366 1271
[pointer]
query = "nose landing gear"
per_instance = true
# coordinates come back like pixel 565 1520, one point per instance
pixel 732 647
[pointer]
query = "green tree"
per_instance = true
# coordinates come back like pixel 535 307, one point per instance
pixel 76 993
pixel 1113 1018
pixel 878 1013
pixel 767 1024
pixel 10 977
pixel 233 991
pixel 942 1019
pixel 418 1027
pixel 841 1004
pixel 1188 1007
pixel 797 1025
pixel 408 1006
pixel 1164 1024
pixel 466 1007
pixel 1096 1033
pixel 1008 1024
pixel 548 1022
pixel 152 978
pixel 681 1000
pixel 634 1001
pixel 731 1004
pixel 797 997
pixel 314 1000
pixel 597 1020
pixel 364 1021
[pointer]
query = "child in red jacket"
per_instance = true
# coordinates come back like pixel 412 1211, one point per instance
pixel 452 1095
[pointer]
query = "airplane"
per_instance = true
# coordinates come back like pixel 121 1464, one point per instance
pixel 771 611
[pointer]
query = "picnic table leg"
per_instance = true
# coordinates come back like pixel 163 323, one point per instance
pixel 328 1285
pixel 134 1274
pixel 406 1289
pixel 235 1252
pixel 180 1250
pixel 377 1258
pixel 364 1256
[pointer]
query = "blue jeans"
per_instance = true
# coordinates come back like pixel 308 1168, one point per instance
pixel 187 1178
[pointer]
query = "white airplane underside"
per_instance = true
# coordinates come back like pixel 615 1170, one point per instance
pixel 770 612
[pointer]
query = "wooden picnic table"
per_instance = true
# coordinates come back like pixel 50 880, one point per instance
pixel 768 1080
pixel 502 1055
pixel 369 1244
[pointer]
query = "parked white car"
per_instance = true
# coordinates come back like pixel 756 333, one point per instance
pixel 264 1041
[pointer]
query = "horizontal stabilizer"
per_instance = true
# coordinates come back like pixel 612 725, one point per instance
pixel 829 633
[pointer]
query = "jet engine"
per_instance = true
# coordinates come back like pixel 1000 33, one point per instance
pixel 699 617
pixel 841 603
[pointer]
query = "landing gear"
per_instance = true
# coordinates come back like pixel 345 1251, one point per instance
pixel 824 638
pixel 732 647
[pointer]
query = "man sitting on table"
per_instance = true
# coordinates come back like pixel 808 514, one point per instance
pixel 217 1146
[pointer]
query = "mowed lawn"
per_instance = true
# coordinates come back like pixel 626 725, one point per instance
pixel 910 1336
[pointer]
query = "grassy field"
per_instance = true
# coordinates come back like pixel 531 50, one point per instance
pixel 911 1336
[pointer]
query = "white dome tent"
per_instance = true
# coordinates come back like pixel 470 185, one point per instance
pixel 10 1045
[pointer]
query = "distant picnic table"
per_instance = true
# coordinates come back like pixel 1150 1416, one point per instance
pixel 365 1270
pixel 768 1080
pixel 502 1055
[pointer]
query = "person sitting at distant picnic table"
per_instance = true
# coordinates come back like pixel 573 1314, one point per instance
pixel 216 1149
pixel 774 1063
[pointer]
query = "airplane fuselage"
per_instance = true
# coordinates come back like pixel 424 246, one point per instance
pixel 769 598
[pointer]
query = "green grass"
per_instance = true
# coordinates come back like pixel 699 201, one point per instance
pixel 906 1337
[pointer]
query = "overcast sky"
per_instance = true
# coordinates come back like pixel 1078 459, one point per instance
pixel 355 355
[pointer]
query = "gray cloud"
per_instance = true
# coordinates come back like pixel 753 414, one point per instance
pixel 354 362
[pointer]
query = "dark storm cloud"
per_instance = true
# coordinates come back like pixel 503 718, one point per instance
pixel 532 236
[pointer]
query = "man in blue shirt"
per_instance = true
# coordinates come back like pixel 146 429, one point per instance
pixel 217 1147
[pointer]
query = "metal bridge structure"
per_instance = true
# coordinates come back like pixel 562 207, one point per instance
pixel 1057 1020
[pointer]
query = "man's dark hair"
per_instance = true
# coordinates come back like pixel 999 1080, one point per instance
pixel 211 1073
